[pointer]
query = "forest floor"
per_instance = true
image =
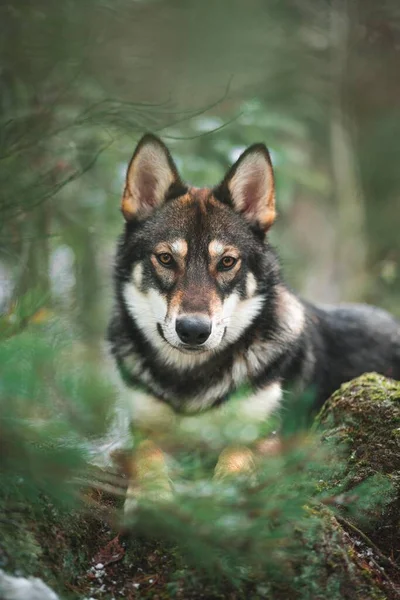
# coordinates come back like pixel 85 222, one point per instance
pixel 88 554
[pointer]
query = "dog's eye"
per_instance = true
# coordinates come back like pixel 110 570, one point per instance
pixel 165 259
pixel 227 263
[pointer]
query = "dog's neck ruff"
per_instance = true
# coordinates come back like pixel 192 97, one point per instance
pixel 257 359
pixel 242 391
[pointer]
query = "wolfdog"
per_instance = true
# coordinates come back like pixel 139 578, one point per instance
pixel 202 311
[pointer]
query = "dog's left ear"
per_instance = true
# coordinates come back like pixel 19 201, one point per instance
pixel 249 187
pixel 150 178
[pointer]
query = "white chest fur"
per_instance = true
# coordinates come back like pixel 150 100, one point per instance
pixel 235 421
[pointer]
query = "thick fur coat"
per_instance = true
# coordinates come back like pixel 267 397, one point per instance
pixel 201 307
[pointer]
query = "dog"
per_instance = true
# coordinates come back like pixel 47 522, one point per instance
pixel 202 313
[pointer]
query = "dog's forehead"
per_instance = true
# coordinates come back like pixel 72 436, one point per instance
pixel 197 217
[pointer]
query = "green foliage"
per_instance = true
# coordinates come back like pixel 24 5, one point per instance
pixel 235 532
pixel 253 536
pixel 52 399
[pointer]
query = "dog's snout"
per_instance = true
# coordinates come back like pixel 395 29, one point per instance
pixel 193 330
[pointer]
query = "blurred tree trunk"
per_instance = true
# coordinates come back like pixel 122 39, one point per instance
pixel 351 237
pixel 34 255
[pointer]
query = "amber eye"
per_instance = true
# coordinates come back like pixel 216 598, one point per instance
pixel 227 263
pixel 165 259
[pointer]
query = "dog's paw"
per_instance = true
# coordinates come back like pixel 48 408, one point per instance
pixel 235 460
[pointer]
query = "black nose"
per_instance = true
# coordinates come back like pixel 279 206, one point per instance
pixel 193 330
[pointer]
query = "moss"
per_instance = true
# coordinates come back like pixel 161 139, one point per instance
pixel 334 567
pixel 42 540
pixel 19 548
pixel 363 419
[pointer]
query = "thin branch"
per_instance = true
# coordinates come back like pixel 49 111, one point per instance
pixel 384 559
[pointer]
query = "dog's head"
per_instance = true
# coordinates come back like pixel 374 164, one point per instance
pixel 193 264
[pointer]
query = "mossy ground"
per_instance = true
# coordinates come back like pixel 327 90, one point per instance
pixel 64 547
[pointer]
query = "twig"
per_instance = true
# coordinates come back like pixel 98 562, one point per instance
pixel 384 559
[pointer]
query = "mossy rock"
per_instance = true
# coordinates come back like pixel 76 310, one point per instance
pixel 363 419
pixel 336 565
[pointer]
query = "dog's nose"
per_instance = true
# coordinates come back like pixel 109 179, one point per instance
pixel 193 330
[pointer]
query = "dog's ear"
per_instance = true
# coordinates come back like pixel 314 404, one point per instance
pixel 150 178
pixel 249 187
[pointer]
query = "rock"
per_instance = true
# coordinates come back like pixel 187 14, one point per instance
pixel 22 588
pixel 335 566
pixel 363 419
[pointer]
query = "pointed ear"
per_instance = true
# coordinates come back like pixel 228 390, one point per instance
pixel 249 187
pixel 151 175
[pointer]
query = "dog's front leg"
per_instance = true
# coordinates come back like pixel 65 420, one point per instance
pixel 148 476
pixel 147 468
pixel 253 409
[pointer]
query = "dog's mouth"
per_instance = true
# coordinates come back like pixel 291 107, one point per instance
pixel 191 349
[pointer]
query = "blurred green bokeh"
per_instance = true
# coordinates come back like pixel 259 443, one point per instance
pixel 81 81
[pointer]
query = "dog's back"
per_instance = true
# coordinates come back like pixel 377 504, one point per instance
pixel 348 340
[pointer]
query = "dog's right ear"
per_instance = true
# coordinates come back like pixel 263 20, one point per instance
pixel 150 178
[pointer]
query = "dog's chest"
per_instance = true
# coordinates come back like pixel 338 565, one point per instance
pixel 237 420
pixel 186 391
